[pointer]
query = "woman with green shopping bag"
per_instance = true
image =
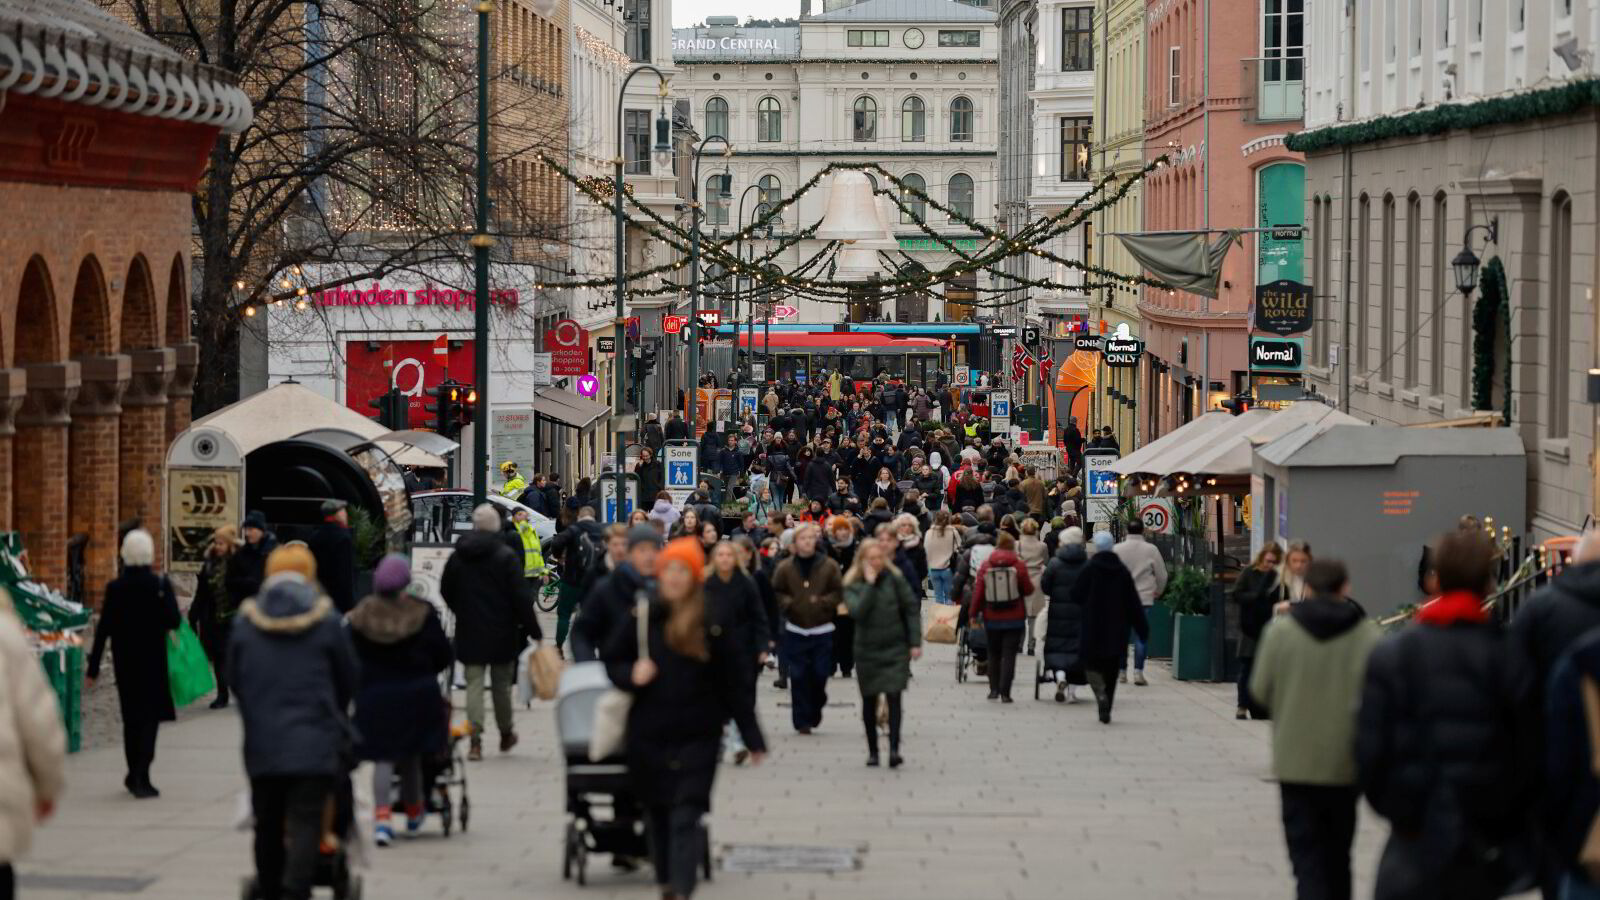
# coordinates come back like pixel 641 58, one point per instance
pixel 139 611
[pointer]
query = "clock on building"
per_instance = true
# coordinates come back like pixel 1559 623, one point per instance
pixel 913 38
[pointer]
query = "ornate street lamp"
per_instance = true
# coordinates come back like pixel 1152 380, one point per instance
pixel 1466 264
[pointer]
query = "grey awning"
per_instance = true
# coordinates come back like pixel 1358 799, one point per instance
pixel 1182 259
pixel 568 408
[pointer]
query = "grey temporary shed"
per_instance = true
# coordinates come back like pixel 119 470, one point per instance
pixel 1374 495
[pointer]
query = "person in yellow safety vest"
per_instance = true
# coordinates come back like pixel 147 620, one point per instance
pixel 514 485
pixel 532 556
pixel 971 428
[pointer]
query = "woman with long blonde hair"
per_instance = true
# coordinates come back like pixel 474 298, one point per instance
pixel 887 638
pixel 688 675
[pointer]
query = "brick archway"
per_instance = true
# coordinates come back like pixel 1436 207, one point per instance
pixel 142 425
pixel 91 458
pixel 39 447
pixel 90 332
pixel 177 303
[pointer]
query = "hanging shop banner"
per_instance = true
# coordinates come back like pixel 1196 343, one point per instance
pixel 1003 331
pixel 682 475
pixel 1090 342
pixel 1102 486
pixel 198 502
pixel 539 367
pixel 568 346
pixel 1283 308
pixel 1277 354
pixel 1122 353
pixel 999 412
pixel 749 401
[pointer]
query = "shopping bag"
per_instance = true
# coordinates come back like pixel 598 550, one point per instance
pixel 544 668
pixel 609 733
pixel 188 669
pixel 942 626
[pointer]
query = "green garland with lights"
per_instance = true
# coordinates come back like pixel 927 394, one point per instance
pixel 1492 311
pixel 1505 110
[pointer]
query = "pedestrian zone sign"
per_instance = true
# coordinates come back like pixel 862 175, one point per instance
pixel 749 398
pixel 681 477
pixel 1101 486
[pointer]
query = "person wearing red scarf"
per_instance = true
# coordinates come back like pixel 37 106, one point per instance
pixel 1446 744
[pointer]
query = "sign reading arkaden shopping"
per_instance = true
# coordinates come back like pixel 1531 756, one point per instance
pixel 1283 308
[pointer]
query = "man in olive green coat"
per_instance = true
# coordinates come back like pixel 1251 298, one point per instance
pixel 1309 670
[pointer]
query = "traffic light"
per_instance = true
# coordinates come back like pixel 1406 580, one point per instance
pixel 393 409
pixel 445 407
pixel 466 406
pixel 1239 405
pixel 647 360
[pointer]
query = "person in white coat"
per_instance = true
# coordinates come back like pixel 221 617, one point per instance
pixel 33 745
pixel 1149 570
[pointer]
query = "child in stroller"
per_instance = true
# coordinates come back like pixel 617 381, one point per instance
pixel 603 816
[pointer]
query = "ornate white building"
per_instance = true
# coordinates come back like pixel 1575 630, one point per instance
pixel 908 84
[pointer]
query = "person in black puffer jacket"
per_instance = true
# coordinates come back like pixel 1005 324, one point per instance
pixel 1063 636
pixel 1446 744
pixel 1255 593
pixel 483 585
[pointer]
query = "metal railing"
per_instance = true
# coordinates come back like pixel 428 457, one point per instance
pixel 1274 88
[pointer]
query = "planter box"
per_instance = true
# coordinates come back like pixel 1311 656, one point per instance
pixel 1160 643
pixel 1191 648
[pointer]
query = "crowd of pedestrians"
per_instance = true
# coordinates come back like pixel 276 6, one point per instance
pixel 828 529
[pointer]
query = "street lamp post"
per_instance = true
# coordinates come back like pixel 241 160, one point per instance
pixel 663 152
pixel 481 242
pixel 723 194
pixel 750 347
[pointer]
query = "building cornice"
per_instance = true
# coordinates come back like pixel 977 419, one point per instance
pixel 849 61
pixel 788 154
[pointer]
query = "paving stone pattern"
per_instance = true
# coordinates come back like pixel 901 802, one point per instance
pixel 1031 800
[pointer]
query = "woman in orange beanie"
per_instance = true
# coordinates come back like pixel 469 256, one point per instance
pixel 689 677
pixel 294 557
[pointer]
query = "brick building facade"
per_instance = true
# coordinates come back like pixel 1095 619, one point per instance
pixel 96 367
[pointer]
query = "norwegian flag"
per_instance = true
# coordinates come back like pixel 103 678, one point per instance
pixel 1021 359
pixel 1045 365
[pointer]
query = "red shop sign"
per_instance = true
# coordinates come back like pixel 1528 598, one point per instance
pixel 568 346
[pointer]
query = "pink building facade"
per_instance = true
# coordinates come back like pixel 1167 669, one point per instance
pixel 1224 86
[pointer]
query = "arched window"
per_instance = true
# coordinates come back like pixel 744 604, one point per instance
pixel 769 190
pixel 712 201
pixel 961 119
pixel 960 194
pixel 915 208
pixel 769 120
pixel 717 118
pixel 913 120
pixel 864 119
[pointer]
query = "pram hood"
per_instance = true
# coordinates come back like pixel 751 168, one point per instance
pixel 582 686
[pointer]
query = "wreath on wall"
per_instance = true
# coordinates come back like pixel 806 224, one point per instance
pixel 1492 311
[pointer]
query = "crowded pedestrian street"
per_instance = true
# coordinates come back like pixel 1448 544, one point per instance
pixel 1034 800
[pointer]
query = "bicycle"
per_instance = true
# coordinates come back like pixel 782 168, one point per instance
pixel 549 595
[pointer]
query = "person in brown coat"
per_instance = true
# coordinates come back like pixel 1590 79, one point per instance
pixel 810 588
pixel 1034 492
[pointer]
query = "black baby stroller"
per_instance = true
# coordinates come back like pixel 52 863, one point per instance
pixel 333 869
pixel 602 814
pixel 445 777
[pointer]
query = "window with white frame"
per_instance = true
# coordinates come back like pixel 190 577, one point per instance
pixel 1077 39
pixel 864 119
pixel 769 120
pixel 913 120
pixel 960 38
pixel 713 202
pixel 960 194
pixel 717 118
pixel 1442 11
pixel 1174 74
pixel 914 208
pixel 961 119
pixel 1075 140
pixel 1283 40
pixel 858 37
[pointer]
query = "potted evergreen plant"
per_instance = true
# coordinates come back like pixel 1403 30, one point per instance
pixel 1189 596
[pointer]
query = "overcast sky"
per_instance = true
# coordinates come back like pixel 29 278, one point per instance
pixel 688 12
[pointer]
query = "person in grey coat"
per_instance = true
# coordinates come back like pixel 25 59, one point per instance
pixel 293 672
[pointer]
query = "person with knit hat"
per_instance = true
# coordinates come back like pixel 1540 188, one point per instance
pixel 335 549
pixel 482 584
pixel 247 565
pixel 293 674
pixel 140 609
pixel 691 678
pixel 212 611
pixel 607 613
pixel 402 648
pixel 1109 600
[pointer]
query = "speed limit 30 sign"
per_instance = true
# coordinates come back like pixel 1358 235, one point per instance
pixel 1157 514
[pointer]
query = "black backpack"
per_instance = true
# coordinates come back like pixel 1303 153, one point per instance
pixel 580 557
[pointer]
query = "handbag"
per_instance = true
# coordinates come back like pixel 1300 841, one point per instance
pixel 188 669
pixel 610 731
pixel 1589 853
pixel 544 667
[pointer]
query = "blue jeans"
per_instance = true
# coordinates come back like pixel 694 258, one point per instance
pixel 1139 650
pixel 810 658
pixel 941 579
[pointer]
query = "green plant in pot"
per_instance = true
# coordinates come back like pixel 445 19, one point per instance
pixel 1189 596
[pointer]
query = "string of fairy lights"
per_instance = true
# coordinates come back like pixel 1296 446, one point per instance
pixel 816 276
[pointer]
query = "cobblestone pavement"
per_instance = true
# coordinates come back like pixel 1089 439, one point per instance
pixel 1031 800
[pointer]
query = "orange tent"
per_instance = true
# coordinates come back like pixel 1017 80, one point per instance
pixel 1077 377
